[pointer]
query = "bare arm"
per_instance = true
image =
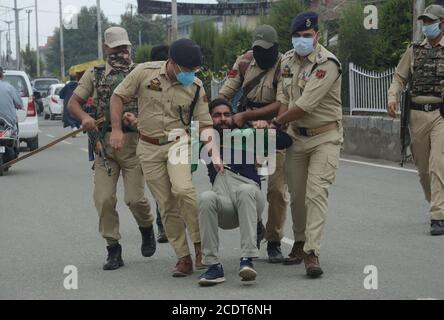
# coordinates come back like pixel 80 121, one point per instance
pixel 116 108
pixel 75 108
pixel 266 113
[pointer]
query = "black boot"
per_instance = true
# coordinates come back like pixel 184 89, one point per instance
pixel 148 241
pixel 437 228
pixel 114 260
pixel 274 252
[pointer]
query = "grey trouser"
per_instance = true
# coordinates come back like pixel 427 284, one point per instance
pixel 235 201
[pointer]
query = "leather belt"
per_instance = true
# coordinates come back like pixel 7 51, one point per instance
pixel 430 107
pixel 158 142
pixel 316 131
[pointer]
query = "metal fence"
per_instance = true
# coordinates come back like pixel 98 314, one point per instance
pixel 369 89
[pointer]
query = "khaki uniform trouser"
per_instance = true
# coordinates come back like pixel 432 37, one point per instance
pixel 105 188
pixel 311 169
pixel 172 187
pixel 235 201
pixel 278 199
pixel 427 133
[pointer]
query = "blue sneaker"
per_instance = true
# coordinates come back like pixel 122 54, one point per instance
pixel 214 275
pixel 247 272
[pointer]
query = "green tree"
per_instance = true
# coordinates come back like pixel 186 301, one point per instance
pixel 231 42
pixel 281 16
pixel 80 44
pixel 30 61
pixel 144 28
pixel 143 53
pixel 205 34
pixel 351 27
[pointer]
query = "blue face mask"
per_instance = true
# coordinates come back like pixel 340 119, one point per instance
pixel 303 46
pixel 431 31
pixel 186 78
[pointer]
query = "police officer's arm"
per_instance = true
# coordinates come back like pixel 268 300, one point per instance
pixel 233 83
pixel 266 113
pixel 318 85
pixel 125 92
pixel 400 80
pixel 84 90
pixel 202 115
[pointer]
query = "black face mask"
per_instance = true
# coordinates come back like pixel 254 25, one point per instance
pixel 266 58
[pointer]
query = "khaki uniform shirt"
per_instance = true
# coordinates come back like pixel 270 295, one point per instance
pixel 160 100
pixel 318 93
pixel 86 87
pixel 402 76
pixel 264 92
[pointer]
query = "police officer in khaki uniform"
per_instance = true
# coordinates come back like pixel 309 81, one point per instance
pixel 310 93
pixel 169 96
pixel 422 66
pixel 99 83
pixel 256 73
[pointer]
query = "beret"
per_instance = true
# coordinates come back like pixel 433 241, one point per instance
pixel 304 21
pixel 186 53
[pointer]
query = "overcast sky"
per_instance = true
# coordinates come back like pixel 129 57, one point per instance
pixel 49 17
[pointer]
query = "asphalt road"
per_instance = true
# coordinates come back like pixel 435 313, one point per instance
pixel 378 217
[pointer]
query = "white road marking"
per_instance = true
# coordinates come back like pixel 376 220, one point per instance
pixel 85 150
pixel 379 165
pixel 66 142
pixel 50 135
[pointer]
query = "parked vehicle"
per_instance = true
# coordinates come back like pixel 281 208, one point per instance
pixel 40 90
pixel 52 104
pixel 9 143
pixel 27 118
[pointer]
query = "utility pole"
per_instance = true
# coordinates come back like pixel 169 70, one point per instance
pixel 62 49
pixel 174 26
pixel 17 36
pixel 8 43
pixel 418 9
pixel 29 28
pixel 1 51
pixel 37 38
pixel 99 31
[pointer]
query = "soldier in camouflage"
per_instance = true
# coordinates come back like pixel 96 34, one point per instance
pixel 423 67
pixel 100 82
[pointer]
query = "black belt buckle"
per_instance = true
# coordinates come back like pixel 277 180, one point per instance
pixel 303 132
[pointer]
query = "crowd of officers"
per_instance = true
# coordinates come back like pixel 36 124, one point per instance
pixel 295 97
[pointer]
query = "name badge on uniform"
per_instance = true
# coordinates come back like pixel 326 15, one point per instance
pixel 286 72
pixel 155 85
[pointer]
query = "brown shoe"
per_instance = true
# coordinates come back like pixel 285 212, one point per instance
pixel 312 265
pixel 184 267
pixel 199 265
pixel 296 255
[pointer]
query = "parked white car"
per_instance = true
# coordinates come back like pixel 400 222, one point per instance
pixel 27 119
pixel 52 104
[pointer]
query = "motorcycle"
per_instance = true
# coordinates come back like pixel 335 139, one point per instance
pixel 9 144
